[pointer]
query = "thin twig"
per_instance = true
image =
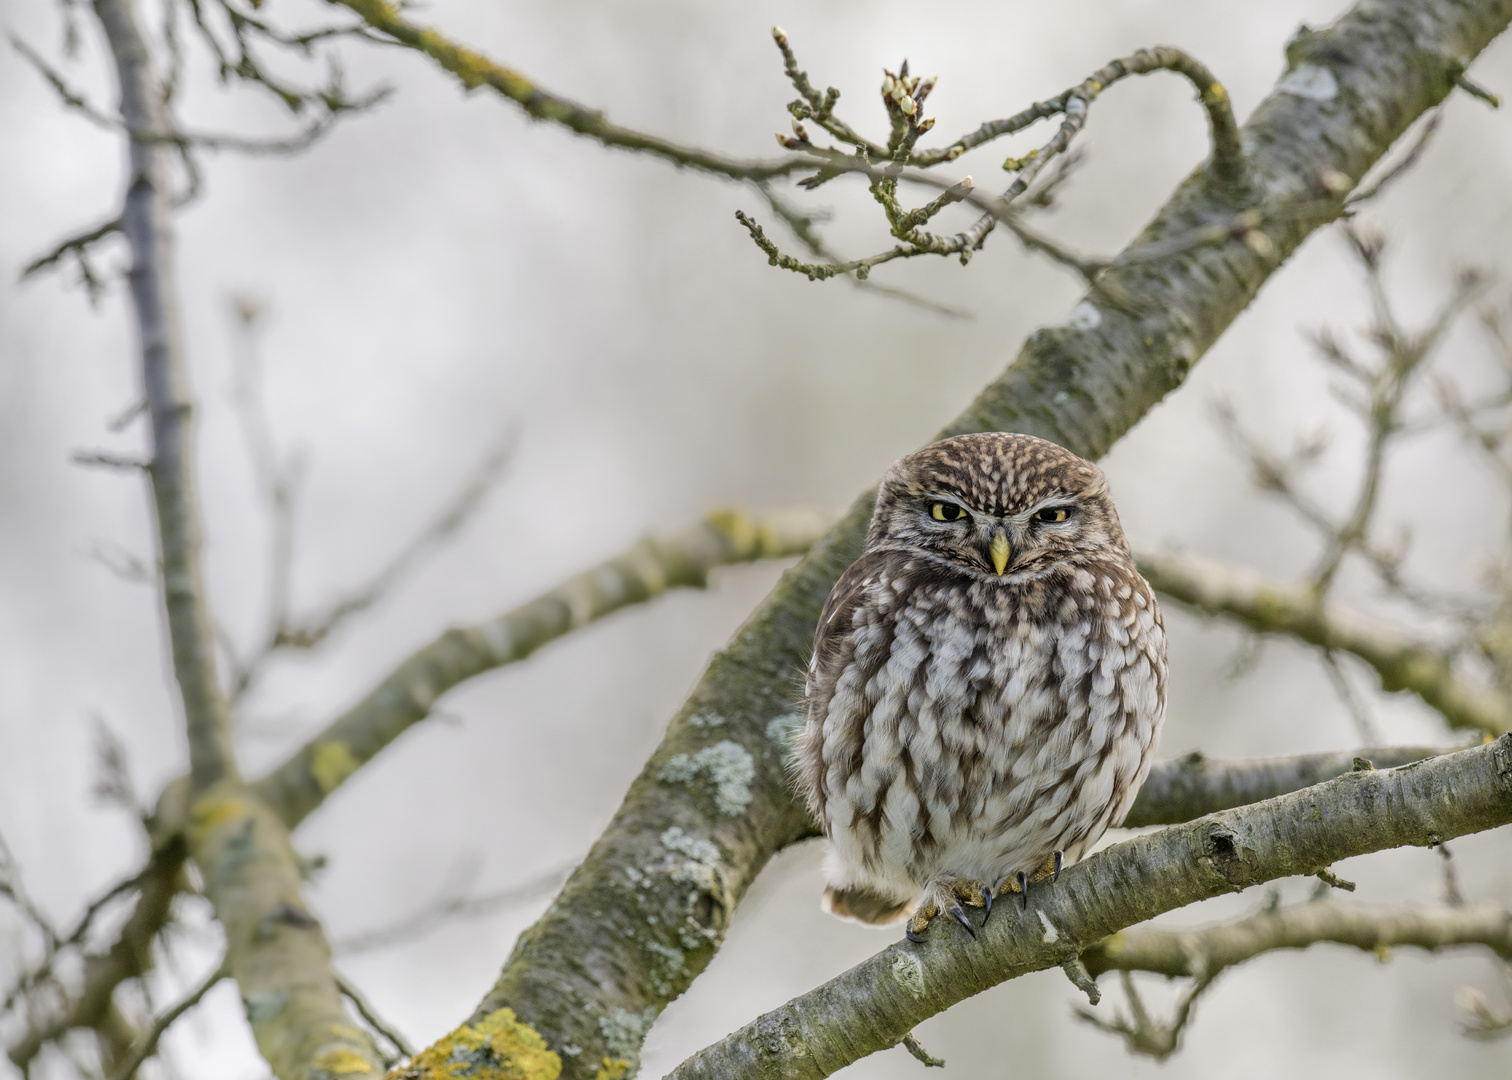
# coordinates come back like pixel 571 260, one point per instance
pixel 161 1023
pixel 452 905
pixel 915 1048
pixel 374 1021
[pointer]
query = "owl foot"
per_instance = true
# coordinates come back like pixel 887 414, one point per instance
pixel 944 896
pixel 1019 882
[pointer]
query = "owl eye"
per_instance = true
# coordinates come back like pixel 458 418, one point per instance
pixel 1052 513
pixel 947 511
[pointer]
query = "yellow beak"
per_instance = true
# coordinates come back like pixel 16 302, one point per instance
pixel 1000 551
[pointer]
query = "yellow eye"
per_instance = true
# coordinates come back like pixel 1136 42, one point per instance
pixel 945 511
pixel 1051 513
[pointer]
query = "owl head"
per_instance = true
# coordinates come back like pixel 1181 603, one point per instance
pixel 998 506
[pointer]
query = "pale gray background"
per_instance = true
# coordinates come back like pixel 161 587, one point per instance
pixel 444 267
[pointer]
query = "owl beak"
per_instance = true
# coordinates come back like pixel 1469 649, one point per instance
pixel 1000 551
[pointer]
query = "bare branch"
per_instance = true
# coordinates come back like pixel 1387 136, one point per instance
pixel 903 96
pixel 473 70
pixel 408 694
pixel 128 957
pixel 146 221
pixel 918 1053
pixel 802 226
pixel 453 515
pixel 376 1022
pixel 161 1023
pixel 1205 953
pixel 78 248
pixel 70 97
pixel 1141 1033
pixel 1192 785
pixel 453 904
pixel 102 459
pixel 1358 711
pixel 1400 662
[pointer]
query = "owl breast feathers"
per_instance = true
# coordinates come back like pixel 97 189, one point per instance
pixel 988 681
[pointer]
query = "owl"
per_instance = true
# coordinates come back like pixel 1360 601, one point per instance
pixel 987 685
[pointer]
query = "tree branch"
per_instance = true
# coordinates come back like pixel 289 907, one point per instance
pixel 1206 952
pixel 872 1006
pixel 473 69
pixel 148 1045
pixel 1402 663
pixel 275 949
pixel 1192 785
pixel 406 695
pixel 129 956
pixel 904 97
pixel 594 972
pixel 146 220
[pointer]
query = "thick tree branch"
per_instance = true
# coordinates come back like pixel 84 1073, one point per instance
pixel 647 909
pixel 406 695
pixel 275 948
pixel 872 1006
pixel 1401 662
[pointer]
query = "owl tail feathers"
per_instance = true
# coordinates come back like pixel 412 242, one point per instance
pixel 862 905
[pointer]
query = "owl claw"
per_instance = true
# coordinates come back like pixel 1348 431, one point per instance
pixel 1023 889
pixel 986 903
pixel 1060 857
pixel 950 896
pixel 959 915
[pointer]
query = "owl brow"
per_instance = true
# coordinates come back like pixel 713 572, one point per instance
pixel 953 497
pixel 1051 503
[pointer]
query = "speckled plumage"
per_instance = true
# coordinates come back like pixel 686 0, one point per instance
pixel 962 725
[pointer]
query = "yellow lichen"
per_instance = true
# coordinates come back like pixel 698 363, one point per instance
pixel 330 764
pixel 342 1061
pixel 499 1047
pixel 210 812
pixel 612 1069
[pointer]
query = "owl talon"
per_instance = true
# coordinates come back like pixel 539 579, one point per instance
pixel 959 914
pixel 1023 889
pixel 986 903
pixel 1060 857
pixel 917 939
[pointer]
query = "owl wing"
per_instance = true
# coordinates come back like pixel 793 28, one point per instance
pixel 836 621
pixel 834 648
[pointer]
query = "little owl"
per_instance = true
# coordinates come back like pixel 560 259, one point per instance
pixel 987 685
